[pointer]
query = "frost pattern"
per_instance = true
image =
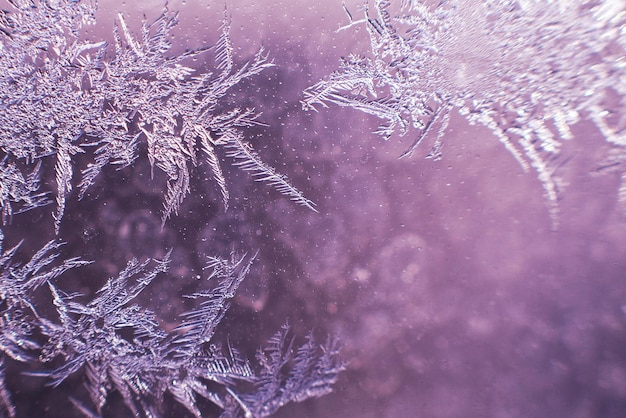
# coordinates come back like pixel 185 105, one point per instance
pixel 19 193
pixel 18 315
pixel 119 345
pixel 526 69
pixel 61 96
pixel 312 374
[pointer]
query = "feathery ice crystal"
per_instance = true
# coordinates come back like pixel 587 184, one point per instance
pixel 526 69
pixel 61 96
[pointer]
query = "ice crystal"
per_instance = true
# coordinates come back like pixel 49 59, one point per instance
pixel 19 193
pixel 61 95
pixel 19 318
pixel 312 374
pixel 17 284
pixel 121 347
pixel 526 69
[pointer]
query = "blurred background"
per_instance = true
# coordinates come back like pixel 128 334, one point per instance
pixel 450 289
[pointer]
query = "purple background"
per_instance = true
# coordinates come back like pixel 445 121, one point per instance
pixel 452 294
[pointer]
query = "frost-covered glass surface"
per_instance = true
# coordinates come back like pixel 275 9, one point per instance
pixel 481 274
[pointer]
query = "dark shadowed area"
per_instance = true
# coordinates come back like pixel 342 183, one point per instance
pixel 453 293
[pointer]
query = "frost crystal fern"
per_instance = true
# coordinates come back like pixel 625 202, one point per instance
pixel 526 69
pixel 19 318
pixel 119 346
pixel 61 96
